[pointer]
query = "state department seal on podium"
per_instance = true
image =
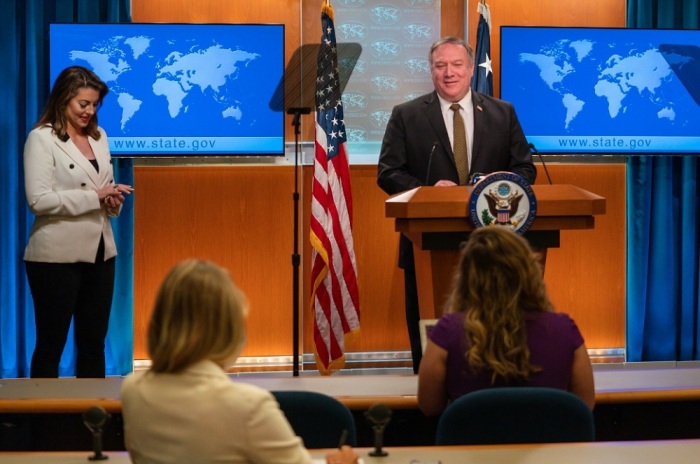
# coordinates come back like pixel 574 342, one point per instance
pixel 503 199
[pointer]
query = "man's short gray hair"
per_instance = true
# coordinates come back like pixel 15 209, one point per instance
pixel 451 40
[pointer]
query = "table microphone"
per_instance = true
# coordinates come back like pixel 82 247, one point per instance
pixel 535 151
pixel 378 415
pixel 95 419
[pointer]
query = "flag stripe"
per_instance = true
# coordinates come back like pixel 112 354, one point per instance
pixel 334 290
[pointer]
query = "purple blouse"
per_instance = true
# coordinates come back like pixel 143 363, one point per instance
pixel 551 337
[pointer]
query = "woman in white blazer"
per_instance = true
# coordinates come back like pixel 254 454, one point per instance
pixel 69 259
pixel 185 408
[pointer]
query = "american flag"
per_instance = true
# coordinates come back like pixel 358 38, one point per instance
pixel 334 293
pixel 483 74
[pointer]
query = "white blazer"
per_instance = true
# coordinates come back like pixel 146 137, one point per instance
pixel 60 184
pixel 201 416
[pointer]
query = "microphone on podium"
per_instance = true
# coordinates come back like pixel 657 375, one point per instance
pixel 95 419
pixel 378 415
pixel 535 151
pixel 476 177
pixel 430 162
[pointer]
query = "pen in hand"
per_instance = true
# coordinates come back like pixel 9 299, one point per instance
pixel 345 454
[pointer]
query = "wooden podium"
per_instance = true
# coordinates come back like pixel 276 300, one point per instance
pixel 436 220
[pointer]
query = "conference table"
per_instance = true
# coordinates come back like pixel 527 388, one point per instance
pixel 637 452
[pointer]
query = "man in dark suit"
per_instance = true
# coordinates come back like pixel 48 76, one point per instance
pixel 418 146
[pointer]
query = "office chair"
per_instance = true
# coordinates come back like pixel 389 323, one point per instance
pixel 516 415
pixel 317 418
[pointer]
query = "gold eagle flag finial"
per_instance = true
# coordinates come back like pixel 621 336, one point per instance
pixel 327 8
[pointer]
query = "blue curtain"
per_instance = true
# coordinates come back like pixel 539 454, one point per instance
pixel 663 229
pixel 24 87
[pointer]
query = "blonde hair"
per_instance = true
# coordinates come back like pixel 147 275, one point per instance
pixel 199 314
pixel 499 279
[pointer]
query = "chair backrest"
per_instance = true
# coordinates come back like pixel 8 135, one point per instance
pixel 516 415
pixel 317 418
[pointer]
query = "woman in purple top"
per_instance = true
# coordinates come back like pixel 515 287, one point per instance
pixel 500 329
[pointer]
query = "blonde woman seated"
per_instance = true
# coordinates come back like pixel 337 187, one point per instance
pixel 499 328
pixel 186 409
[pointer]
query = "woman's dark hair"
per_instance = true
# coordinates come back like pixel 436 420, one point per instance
pixel 66 86
pixel 498 281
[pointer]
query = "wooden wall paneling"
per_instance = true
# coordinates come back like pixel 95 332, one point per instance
pixel 240 238
pixel 240 217
pixel 585 277
pixel 452 18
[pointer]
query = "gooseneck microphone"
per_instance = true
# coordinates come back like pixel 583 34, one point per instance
pixel 95 419
pixel 430 162
pixel 378 415
pixel 534 150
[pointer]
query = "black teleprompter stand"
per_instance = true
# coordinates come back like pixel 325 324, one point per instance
pixel 296 258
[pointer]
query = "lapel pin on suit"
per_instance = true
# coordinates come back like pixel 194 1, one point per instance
pixel 478 107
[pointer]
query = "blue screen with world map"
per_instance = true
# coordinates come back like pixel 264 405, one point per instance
pixel 181 89
pixel 604 90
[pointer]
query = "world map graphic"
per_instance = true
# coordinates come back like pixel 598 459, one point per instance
pixel 200 77
pixel 180 80
pixel 578 85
